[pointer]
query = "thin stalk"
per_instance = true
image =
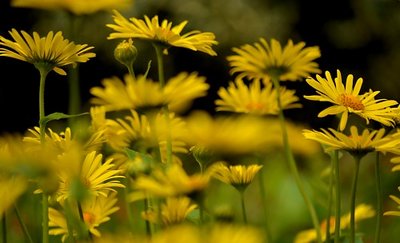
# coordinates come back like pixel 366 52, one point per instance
pixel 357 160
pixel 4 227
pixel 161 80
pixel 292 164
pixel 330 199
pixel 45 218
pixel 378 199
pixel 146 202
pixel 264 204
pixel 131 71
pixel 129 210
pixel 337 196
pixel 23 226
pixel 242 203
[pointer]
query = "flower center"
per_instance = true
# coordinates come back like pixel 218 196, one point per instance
pixel 254 106
pixel 89 218
pixel 351 101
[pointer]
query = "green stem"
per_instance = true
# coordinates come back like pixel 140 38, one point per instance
pixel 45 218
pixel 242 202
pixel 129 210
pixel 357 160
pixel 4 227
pixel 292 164
pixel 330 199
pixel 337 196
pixel 23 226
pixel 264 204
pixel 149 232
pixel 378 199
pixel 161 80
pixel 131 71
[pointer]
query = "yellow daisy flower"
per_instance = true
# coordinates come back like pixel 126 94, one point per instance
pixel 77 7
pixel 96 176
pixel 140 92
pixel 52 51
pixel 164 33
pixel 263 61
pixel 347 99
pixel 96 211
pixel 362 211
pixel 367 141
pixel 230 135
pixel 239 176
pixel 396 200
pixel 254 99
pixel 11 188
pixel 174 211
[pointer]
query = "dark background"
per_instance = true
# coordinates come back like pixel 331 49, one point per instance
pixel 361 37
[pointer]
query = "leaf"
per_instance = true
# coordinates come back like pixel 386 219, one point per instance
pixel 58 116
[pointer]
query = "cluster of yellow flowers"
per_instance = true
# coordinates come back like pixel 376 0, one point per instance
pixel 135 157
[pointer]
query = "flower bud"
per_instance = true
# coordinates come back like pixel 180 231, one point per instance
pixel 126 53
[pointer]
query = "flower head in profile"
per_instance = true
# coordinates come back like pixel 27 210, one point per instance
pixel 263 61
pixel 367 141
pixel 77 7
pixel 141 93
pixel 362 211
pixel 173 211
pixel 96 211
pixel 346 98
pixel 163 33
pixel 254 99
pixel 239 176
pixel 51 52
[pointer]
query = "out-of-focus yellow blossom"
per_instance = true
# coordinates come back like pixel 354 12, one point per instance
pixel 173 211
pixel 11 188
pixel 96 177
pixel 362 211
pixel 254 99
pixel 347 99
pixel 263 61
pixel 164 33
pixel 77 7
pixel 396 200
pixel 141 93
pixel 51 52
pixel 96 211
pixel 239 176
pixel 367 141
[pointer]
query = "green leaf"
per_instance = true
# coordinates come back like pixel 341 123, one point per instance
pixel 58 116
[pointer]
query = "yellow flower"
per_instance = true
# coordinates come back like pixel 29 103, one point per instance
pixel 11 188
pixel 96 211
pixel 94 175
pixel 397 200
pixel 174 211
pixel 173 181
pixel 263 61
pixel 367 141
pixel 164 33
pixel 362 211
pixel 347 99
pixel 239 176
pixel 140 92
pixel 230 135
pixel 52 51
pixel 77 7
pixel 254 99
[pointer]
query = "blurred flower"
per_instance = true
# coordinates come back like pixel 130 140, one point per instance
pixel 77 7
pixel 11 188
pixel 51 52
pixel 263 61
pixel 347 99
pixel 254 99
pixel 230 135
pixel 96 211
pixel 239 176
pixel 367 141
pixel 396 200
pixel 173 211
pixel 95 176
pixel 164 34
pixel 362 211
pixel 141 93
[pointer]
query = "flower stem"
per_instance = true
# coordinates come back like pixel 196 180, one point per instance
pixel 378 199
pixel 264 204
pixel 147 206
pixel 292 164
pixel 337 196
pixel 45 218
pixel 242 202
pixel 357 160
pixel 4 227
pixel 330 199
pixel 23 226
pixel 161 80
pixel 129 210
